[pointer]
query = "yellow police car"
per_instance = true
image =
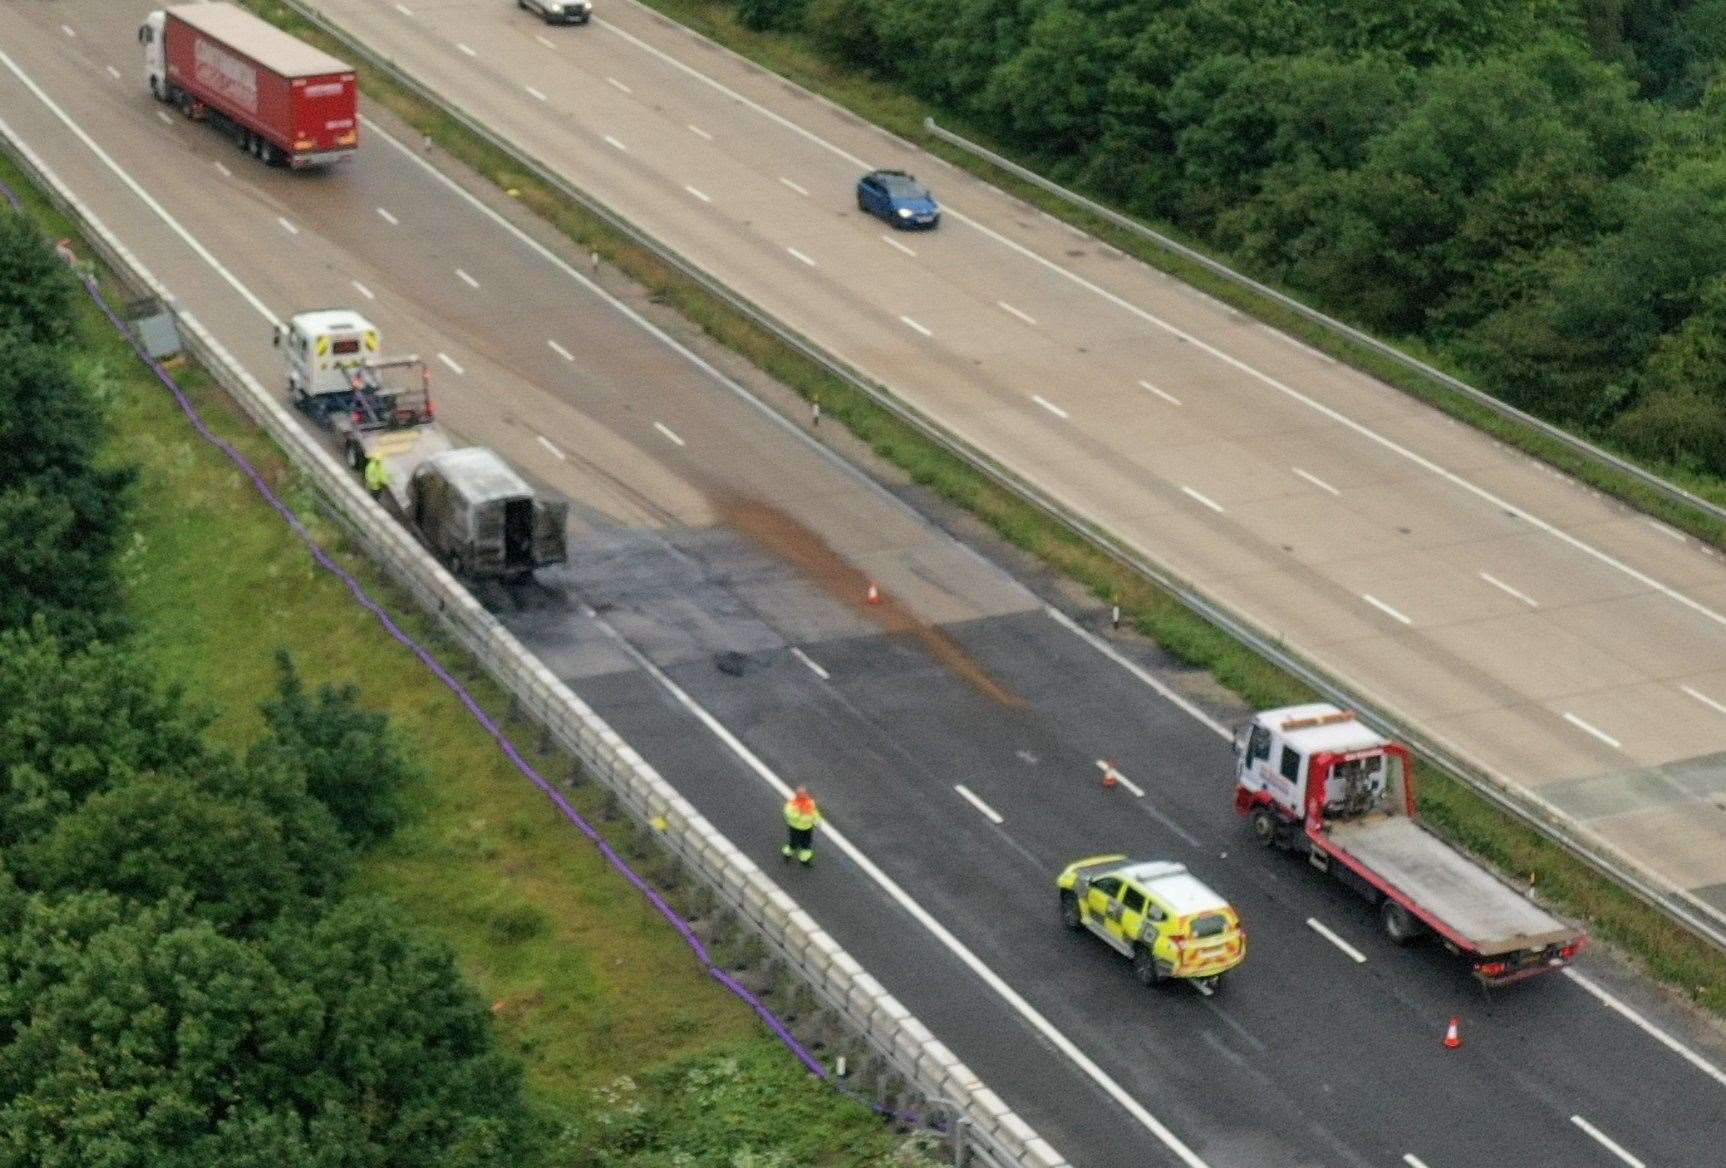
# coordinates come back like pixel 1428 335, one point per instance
pixel 1158 914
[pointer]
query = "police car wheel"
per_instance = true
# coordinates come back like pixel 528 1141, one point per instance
pixel 1145 967
pixel 1070 915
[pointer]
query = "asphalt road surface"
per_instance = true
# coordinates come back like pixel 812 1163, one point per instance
pixel 712 612
pixel 1564 642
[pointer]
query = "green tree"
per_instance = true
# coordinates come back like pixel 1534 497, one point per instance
pixel 36 290
pixel 49 418
pixel 1679 415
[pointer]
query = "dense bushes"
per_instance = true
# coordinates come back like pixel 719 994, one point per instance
pixel 1531 187
pixel 183 981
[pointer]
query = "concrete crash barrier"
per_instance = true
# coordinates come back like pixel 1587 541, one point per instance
pixel 990 1133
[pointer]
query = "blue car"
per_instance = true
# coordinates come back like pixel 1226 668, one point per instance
pixel 898 198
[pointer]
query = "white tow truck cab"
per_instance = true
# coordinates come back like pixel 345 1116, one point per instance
pixel 1315 780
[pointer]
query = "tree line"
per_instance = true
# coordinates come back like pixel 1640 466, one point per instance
pixel 184 981
pixel 1534 190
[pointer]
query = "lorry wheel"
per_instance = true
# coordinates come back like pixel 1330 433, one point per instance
pixel 1145 966
pixel 1399 924
pixel 1070 915
pixel 1265 828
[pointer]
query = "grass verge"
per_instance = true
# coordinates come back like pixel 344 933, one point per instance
pixel 615 1022
pixel 1672 955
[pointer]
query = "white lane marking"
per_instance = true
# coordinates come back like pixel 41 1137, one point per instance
pixel 132 185
pixel 801 258
pixel 699 132
pixel 1139 671
pixel 1166 396
pixel 1018 312
pixel 1598 733
pixel 921 915
pixel 1666 531
pixel 113 72
pixel 1318 927
pixel 224 171
pixel 447 360
pixel 286 226
pixel 891 242
pixel 615 143
pixel 68 30
pixel 669 433
pixel 1104 765
pixel 363 290
pixel 388 218
pixel 704 198
pixel 970 797
pixel 1704 699
pixel 1607 1142
pixel 535 93
pixel 1503 587
pixel 465 49
pixel 1412 1160
pixel 1049 405
pixel 1211 503
pixel 166 120
pixel 544 41
pixel 1266 379
pixel 1643 1024
pixel 795 187
pixel 467 279
pixel 1385 608
pixel 1315 480
pixel 552 446
pixel 810 662
pixel 404 10
pixel 907 320
pixel 561 351
pixel 616 84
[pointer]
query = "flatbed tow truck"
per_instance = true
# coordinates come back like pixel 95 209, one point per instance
pixel 1314 780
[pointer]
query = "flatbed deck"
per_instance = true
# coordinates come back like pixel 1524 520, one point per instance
pixel 1492 916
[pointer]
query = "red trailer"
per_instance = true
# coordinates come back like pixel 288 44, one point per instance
pixel 280 99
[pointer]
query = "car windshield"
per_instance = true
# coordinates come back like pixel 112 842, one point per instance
pixel 1209 925
pixel 903 188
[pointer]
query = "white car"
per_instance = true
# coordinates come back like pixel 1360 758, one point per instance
pixel 559 11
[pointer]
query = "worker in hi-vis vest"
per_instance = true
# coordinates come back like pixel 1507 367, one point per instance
pixel 377 476
pixel 801 816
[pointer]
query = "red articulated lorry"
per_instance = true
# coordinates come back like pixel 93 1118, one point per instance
pixel 278 98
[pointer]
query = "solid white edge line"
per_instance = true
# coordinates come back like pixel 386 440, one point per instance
pixel 552 446
pixel 1505 588
pixel 1315 481
pixel 560 350
pixel 1643 1024
pixel 1020 313
pixel 916 326
pixel 388 218
pixel 1233 362
pixel 1049 405
pixel 1607 1142
pixel 1318 927
pixel 467 279
pixel 799 256
pixel 1666 531
pixel 698 194
pixel 923 917
pixel 1704 699
pixel 1164 394
pixel 814 667
pixel 133 185
pixel 450 361
pixel 971 797
pixel 669 433
pixel 1594 730
pixel 362 290
pixel 1140 672
pixel 1385 608
pixel 794 186
pixel 1106 767
pixel 1208 502
pixel 699 132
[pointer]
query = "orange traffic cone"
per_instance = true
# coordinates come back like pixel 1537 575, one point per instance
pixel 874 596
pixel 1452 1036
pixel 1109 778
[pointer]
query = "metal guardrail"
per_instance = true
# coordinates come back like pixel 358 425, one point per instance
pixel 1700 918
pixel 983 1130
pixel 1668 490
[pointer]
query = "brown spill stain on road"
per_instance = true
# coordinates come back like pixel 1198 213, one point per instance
pixel 785 537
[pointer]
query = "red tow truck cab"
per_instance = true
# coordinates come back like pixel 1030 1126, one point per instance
pixel 1315 780
pixel 279 98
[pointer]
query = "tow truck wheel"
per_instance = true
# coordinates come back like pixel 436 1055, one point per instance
pixel 1070 912
pixel 1145 966
pixel 1399 924
pixel 1265 828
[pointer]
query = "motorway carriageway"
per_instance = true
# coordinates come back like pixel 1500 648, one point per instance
pixel 1565 642
pixel 954 752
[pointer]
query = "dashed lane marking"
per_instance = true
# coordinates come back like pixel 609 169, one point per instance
pixel 913 324
pixel 800 257
pixel 1018 312
pixel 363 290
pixel 891 242
pixel 388 218
pixel 1507 589
pixel 450 361
pixel 467 279
pixel 795 187
pixel 286 226
pixel 1392 613
pixel 1607 1142
pixel 669 433
pixel 1164 394
pixel 1315 481
pixel 1704 699
pixel 536 94
pixel 1107 768
pixel 810 662
pixel 1318 927
pixel 970 797
pixel 699 132
pixel 550 445
pixel 561 351
pixel 705 198
pixel 1050 406
pixel 1208 502
pixel 1594 730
